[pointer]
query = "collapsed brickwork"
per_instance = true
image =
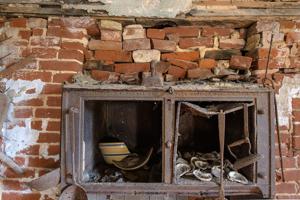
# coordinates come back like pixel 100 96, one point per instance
pixel 112 52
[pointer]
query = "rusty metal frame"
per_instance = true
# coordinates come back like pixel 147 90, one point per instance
pixel 74 97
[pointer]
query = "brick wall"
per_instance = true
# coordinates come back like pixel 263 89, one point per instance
pixel 62 47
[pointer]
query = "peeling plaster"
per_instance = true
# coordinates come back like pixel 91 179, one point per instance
pixel 138 8
pixel 19 137
pixel 290 89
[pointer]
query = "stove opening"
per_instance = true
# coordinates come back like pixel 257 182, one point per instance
pixel 122 141
pixel 198 150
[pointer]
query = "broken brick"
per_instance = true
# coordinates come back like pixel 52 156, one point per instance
pixel 164 45
pixel 177 72
pixel 190 56
pixel 132 67
pixel 136 44
pixel 156 33
pixel 185 43
pixel 240 62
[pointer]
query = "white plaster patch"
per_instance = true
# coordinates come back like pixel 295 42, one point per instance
pixel 20 86
pixel 290 89
pixel 19 138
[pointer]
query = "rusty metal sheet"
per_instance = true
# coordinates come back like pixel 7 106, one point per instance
pixel 46 181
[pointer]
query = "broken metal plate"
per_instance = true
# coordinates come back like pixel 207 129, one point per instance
pixel 73 192
pixel 214 109
pixel 246 161
pixel 46 181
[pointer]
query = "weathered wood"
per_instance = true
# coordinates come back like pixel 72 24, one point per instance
pixel 3 109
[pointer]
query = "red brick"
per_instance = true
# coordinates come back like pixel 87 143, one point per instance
pixel 37 31
pixel 52 89
pixel 65 32
pixel 25 34
pixel 296 142
pixel 292 37
pixel 31 150
pixel 262 64
pixel 54 101
pixel 93 30
pixel 190 56
pixel 47 113
pixel 231 43
pixel 23 113
pixel 296 115
pixel 296 103
pixel 297 129
pixel 292 174
pixel 183 31
pixel 19 160
pixel 36 125
pixel 70 54
pixel 60 65
pixel 286 188
pixel 30 76
pixel 18 22
pixel 60 78
pixel 207 63
pixel 136 44
pixel 28 173
pixel 288 162
pixel 173 37
pixel 45 41
pixel 240 62
pixel 264 53
pixel 13 185
pixel 183 63
pixel 20 196
pixel 156 33
pixel 116 56
pixel 177 72
pixel 44 52
pixel 31 102
pixel 42 162
pixel 53 126
pixel 49 138
pixel 185 43
pixel 53 149
pixel 100 75
pixel 104 45
pixel 72 45
pixel 132 67
pixel 212 31
pixel 164 45
pixel 110 35
pixel 287 24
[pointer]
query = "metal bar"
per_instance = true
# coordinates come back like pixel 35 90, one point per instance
pixel 221 124
pixel 246 121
